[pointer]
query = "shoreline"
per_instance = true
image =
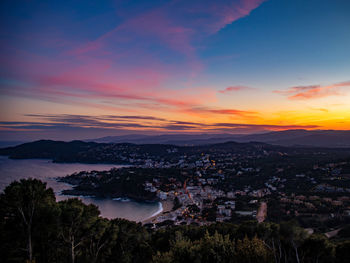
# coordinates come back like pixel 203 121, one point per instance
pixel 164 207
pixel 160 210
pixel 51 160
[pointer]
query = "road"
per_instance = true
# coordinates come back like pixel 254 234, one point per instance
pixel 262 212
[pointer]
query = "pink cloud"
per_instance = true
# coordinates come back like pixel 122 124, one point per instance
pixel 313 91
pixel 342 84
pixel 232 112
pixel 208 111
pixel 147 28
pixel 227 12
pixel 234 88
pixel 174 26
pixel 175 23
pixel 123 66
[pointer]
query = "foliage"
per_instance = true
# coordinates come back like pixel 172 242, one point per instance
pixel 71 231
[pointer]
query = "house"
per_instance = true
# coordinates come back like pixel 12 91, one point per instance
pixel 162 195
pixel 230 195
pixel 230 205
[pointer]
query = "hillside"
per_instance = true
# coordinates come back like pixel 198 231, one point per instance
pixel 317 138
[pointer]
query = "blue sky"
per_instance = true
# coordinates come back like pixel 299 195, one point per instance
pixel 275 64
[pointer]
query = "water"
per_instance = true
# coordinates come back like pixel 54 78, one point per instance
pixel 46 171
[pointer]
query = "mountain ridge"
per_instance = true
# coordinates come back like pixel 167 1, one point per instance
pixel 314 138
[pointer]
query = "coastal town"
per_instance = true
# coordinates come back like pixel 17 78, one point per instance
pixel 227 184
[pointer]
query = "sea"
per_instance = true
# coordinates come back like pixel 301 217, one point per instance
pixel 47 171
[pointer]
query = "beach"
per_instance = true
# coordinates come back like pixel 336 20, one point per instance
pixel 165 207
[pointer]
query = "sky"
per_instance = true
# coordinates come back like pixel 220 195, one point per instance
pixel 87 68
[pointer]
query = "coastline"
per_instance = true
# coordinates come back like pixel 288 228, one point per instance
pixel 164 207
pixel 160 210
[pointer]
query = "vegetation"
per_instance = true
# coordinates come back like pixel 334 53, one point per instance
pixel 36 228
pixel 123 182
pixel 137 154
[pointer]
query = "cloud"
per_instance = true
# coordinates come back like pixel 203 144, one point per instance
pixel 313 91
pixel 175 23
pixel 321 109
pixel 342 84
pixel 234 88
pixel 232 112
pixel 93 120
pixel 145 62
pixel 265 126
pixel 226 12
pixel 208 111
pixel 63 124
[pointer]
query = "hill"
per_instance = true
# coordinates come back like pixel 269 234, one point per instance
pixel 315 138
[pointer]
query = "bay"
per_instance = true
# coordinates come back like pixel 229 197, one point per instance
pixel 47 171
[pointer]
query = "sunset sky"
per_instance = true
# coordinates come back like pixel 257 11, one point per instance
pixel 89 68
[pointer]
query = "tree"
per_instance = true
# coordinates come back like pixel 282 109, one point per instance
pixel 269 233
pixel 166 257
pixel 76 221
pixel 317 249
pixel 102 237
pixel 177 203
pixel 183 250
pixel 23 201
pixel 217 248
pixel 344 232
pixel 209 214
pixel 252 250
pixel 292 234
pixel 342 252
pixel 132 243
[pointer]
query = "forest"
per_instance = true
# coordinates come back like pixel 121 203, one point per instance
pixel 36 228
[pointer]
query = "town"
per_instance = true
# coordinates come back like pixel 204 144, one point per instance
pixel 230 183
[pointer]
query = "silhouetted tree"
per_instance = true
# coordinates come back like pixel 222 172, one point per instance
pixel 102 237
pixel 252 250
pixel 293 235
pixel 316 249
pixel 342 252
pixel 76 220
pixel 23 202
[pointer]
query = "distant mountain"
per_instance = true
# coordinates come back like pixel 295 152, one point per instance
pixel 120 153
pixel 138 154
pixel 91 151
pixel 47 149
pixel 318 138
pixel 175 139
pixel 10 143
pixel 315 138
